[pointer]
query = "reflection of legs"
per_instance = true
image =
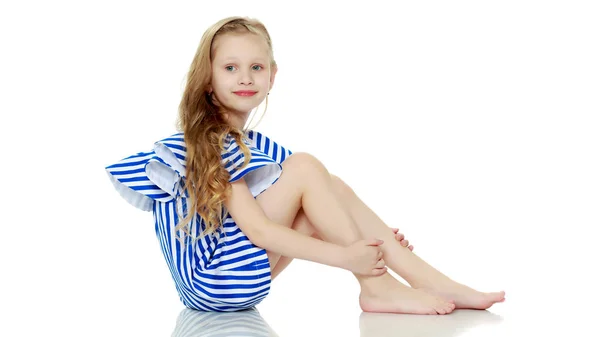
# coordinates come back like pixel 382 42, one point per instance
pixel 417 272
pixel 305 187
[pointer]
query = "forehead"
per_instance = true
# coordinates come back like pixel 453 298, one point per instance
pixel 240 46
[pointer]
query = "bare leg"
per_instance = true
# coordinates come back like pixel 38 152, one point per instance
pixel 305 184
pixel 417 272
pixel 302 225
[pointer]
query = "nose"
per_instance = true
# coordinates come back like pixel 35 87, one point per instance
pixel 245 78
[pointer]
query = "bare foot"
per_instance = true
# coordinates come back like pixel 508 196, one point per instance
pixel 400 299
pixel 463 296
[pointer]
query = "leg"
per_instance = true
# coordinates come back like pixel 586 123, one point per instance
pixel 418 273
pixel 301 225
pixel 306 184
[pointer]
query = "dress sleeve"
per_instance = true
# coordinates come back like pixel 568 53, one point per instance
pixel 267 146
pixel 260 173
pixel 146 177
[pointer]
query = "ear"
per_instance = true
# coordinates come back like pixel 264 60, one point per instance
pixel 272 80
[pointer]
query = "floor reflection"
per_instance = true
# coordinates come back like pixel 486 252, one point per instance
pixel 451 325
pixel 194 323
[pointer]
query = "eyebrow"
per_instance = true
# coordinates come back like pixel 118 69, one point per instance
pixel 235 59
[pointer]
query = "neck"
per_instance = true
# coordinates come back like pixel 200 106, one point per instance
pixel 236 119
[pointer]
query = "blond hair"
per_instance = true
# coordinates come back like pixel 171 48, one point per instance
pixel 205 129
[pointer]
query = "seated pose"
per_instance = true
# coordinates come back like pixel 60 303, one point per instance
pixel 232 208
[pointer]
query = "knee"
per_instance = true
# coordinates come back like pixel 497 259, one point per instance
pixel 304 164
pixel 340 186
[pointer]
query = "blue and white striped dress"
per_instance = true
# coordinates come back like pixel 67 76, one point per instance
pixel 222 271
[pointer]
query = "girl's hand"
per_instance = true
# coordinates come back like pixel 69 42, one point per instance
pixel 364 257
pixel 400 237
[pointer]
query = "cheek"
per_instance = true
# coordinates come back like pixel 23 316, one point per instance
pixel 218 84
pixel 265 81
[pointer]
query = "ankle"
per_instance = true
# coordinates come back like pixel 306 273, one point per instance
pixel 372 285
pixel 427 282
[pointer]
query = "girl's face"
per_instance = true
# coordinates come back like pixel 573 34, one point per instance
pixel 241 73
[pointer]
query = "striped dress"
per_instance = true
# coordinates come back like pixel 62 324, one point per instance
pixel 222 271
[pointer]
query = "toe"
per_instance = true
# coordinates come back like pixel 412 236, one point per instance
pixel 443 307
pixel 497 296
pixel 442 310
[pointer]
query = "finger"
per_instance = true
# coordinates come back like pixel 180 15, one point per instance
pixel 399 236
pixel 404 243
pixel 374 242
pixel 411 247
pixel 395 230
pixel 380 271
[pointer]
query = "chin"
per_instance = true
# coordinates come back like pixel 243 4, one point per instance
pixel 244 109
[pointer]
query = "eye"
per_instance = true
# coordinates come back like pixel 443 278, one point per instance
pixel 256 67
pixel 230 68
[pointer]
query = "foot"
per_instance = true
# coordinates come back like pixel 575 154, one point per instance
pixel 397 298
pixel 463 296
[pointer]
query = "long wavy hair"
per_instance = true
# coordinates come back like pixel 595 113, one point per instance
pixel 205 128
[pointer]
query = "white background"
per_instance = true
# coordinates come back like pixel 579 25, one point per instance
pixel 472 126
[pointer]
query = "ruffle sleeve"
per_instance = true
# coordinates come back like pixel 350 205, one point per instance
pixel 156 175
pixel 274 150
pixel 260 173
pixel 159 174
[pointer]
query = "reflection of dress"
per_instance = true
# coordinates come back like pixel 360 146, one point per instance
pixel 222 271
pixel 193 323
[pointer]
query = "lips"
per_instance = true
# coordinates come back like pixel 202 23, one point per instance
pixel 245 93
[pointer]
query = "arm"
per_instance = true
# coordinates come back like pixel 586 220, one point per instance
pixel 269 235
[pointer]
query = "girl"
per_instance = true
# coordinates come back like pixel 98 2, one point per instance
pixel 232 208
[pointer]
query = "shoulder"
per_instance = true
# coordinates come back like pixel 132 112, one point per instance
pixel 175 140
pixel 268 146
pixel 172 150
pixel 255 137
